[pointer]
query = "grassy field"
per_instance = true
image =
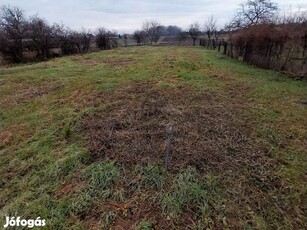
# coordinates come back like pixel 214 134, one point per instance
pixel 83 142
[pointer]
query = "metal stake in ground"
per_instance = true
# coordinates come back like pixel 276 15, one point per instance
pixel 168 147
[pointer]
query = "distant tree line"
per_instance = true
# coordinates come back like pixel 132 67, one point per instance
pixel 26 39
pixel 152 31
pixel 19 35
pixel 33 38
pixel 259 33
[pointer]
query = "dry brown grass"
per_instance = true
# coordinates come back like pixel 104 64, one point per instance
pixel 29 92
pixel 210 133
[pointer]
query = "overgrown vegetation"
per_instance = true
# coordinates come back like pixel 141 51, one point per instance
pixel 82 142
pixel 259 35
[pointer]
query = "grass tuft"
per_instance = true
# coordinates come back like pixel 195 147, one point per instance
pixel 101 177
pixel 144 225
pixel 152 177
pixel 188 191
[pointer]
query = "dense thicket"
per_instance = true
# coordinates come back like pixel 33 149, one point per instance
pixel 281 47
pixel 261 36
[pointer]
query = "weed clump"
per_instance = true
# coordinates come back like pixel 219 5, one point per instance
pixel 152 177
pixel 101 177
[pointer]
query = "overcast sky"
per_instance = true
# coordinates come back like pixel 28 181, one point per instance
pixel 128 15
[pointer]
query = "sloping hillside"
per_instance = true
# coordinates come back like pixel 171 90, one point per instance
pixel 83 142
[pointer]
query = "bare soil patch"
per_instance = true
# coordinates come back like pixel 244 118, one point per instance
pixel 69 188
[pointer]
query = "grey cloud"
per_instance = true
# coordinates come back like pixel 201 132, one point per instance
pixel 126 16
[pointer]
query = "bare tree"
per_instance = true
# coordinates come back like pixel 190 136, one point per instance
pixel 40 34
pixel 254 12
pixel 194 31
pixel 70 41
pixel 126 40
pixel 105 39
pixel 102 39
pixel 13 25
pixel 210 29
pixel 182 36
pixel 173 30
pixel 83 40
pixel 65 39
pixel 151 29
pixel 139 36
pixel 288 16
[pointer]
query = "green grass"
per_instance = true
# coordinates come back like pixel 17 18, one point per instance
pixel 101 177
pixel 47 170
pixel 152 177
pixel 187 190
pixel 144 225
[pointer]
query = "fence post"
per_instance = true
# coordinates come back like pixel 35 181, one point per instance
pixel 168 147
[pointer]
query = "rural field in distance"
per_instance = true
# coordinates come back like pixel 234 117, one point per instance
pixel 83 142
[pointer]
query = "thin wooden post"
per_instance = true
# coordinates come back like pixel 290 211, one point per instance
pixel 168 147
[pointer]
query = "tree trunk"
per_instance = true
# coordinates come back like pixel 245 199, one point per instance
pixel 269 54
pixel 225 48
pixel 304 59
pixel 246 52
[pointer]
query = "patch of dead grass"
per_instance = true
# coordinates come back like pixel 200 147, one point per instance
pixel 29 92
pixel 69 188
pixel 14 134
pixel 133 128
pixel 90 62
pixel 210 134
